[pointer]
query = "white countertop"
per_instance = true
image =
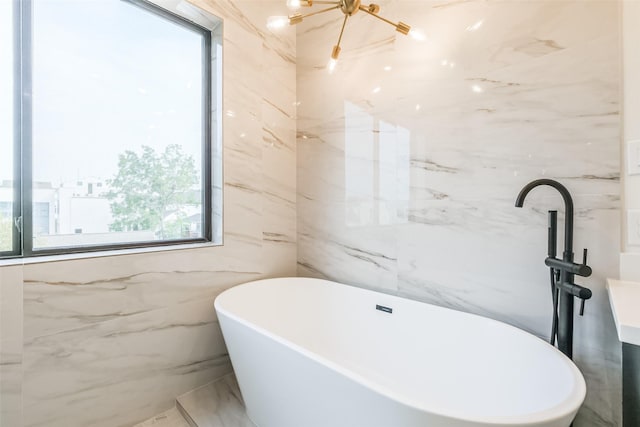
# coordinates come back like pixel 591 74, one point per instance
pixel 625 304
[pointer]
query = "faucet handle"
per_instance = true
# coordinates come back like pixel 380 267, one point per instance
pixel 584 256
pixel 569 266
pixel 575 290
pixel 582 301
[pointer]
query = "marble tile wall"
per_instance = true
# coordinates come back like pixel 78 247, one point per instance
pixel 411 154
pixel 112 341
pixel 11 317
pixel 630 259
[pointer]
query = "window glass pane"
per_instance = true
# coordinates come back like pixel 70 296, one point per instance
pixel 6 126
pixel 117 125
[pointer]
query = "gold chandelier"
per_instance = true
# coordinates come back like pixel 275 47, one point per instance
pixel 348 8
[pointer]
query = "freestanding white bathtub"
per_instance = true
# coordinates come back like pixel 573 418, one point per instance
pixel 314 353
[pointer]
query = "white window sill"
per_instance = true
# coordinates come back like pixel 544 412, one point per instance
pixel 102 254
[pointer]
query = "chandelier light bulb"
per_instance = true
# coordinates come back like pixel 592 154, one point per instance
pixel 417 34
pixel 335 53
pixel 402 28
pixel 277 22
pixel 331 66
pixel 293 4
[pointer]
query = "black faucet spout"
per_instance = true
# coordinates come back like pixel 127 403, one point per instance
pixel 568 208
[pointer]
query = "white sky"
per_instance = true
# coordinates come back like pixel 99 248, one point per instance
pixel 6 83
pixel 107 77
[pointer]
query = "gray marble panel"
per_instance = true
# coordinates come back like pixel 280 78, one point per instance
pixel 64 296
pixel 11 315
pixel 122 371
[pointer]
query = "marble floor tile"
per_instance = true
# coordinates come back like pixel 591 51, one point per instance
pixel 170 418
pixel 217 404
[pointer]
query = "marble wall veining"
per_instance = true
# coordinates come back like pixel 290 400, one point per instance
pixel 411 154
pixel 112 341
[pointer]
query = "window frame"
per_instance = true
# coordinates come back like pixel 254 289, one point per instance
pixel 23 120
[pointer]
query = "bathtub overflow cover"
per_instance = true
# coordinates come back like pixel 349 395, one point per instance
pixel 383 308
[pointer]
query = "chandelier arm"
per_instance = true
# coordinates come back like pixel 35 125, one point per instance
pixel 344 23
pixel 366 9
pixel 318 12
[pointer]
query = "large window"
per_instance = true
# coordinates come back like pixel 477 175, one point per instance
pixel 105 127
